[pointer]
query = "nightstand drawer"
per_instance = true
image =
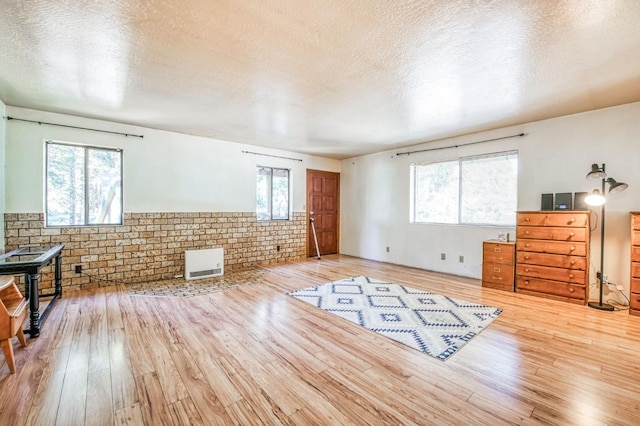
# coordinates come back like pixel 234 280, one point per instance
pixel 498 252
pixel 556 288
pixel 635 285
pixel 550 233
pixel 635 221
pixel 497 273
pixel 576 219
pixel 635 254
pixel 554 260
pixel 635 238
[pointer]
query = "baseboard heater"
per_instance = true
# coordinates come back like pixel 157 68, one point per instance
pixel 203 263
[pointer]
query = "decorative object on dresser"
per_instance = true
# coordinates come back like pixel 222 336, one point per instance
pixel 552 255
pixel 634 298
pixel 596 198
pixel 498 260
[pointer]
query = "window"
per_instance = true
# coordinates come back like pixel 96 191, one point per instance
pixel 272 200
pixel 83 185
pixel 478 190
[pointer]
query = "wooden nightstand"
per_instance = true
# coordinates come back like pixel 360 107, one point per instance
pixel 498 263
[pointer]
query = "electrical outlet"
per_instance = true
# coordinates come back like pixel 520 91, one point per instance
pixel 443 256
pixel 387 249
pixel 78 269
pixel 461 259
pixel 619 287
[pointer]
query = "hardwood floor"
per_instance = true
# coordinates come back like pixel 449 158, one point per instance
pixel 253 355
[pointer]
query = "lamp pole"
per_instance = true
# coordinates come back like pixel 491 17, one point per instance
pixel 600 305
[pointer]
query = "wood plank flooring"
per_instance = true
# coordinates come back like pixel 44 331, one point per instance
pixel 253 355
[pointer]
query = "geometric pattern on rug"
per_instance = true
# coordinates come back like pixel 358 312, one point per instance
pixel 179 287
pixel 431 323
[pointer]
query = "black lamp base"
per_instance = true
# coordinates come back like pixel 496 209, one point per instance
pixel 601 306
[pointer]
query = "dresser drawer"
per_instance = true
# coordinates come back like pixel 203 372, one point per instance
pixel 556 274
pixel 635 285
pixel 556 288
pixel 550 233
pixel 635 269
pixel 635 238
pixel 552 247
pixel 634 302
pixel 635 221
pixel 572 219
pixel 554 260
pixel 497 252
pixel 635 254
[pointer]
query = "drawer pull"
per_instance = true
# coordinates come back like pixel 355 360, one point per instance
pixel 526 245
pixel 496 270
pixel 526 219
pixel 571 290
pixel 571 275
pixel 572 248
pixel 572 220
pixel 526 269
pixel 571 234
pixel 497 250
pixel 496 278
pixel 526 281
pixel 527 258
pixel 526 232
pixel 573 262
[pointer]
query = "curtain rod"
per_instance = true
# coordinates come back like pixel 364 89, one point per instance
pixel 457 146
pixel 274 156
pixel 74 127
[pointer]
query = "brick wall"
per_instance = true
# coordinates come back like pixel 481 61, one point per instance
pixel 150 246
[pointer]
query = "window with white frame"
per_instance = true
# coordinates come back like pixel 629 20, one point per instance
pixel 479 190
pixel 272 197
pixel 83 185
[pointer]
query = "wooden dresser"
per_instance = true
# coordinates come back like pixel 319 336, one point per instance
pixel 552 255
pixel 498 261
pixel 634 283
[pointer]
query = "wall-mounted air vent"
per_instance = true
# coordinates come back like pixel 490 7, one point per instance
pixel 203 263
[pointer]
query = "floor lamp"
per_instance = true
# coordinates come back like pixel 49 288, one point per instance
pixel 596 198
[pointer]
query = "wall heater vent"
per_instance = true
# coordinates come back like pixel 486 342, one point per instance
pixel 203 263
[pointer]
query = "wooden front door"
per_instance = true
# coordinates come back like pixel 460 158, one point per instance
pixel 323 205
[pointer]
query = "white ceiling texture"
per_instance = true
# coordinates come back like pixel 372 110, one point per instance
pixel 335 78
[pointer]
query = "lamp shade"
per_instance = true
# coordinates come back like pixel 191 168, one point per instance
pixel 615 187
pixel 596 172
pixel 595 198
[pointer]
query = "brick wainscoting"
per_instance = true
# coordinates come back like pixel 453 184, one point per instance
pixel 150 246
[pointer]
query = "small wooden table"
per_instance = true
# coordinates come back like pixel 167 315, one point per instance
pixel 29 261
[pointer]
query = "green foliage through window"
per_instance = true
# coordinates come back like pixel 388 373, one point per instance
pixel 272 198
pixel 83 185
pixel 479 190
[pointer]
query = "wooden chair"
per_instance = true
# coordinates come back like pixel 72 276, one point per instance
pixel 13 311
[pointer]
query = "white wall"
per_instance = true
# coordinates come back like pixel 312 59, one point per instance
pixel 163 172
pixel 2 157
pixel 554 156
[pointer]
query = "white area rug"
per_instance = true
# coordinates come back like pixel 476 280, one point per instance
pixel 431 323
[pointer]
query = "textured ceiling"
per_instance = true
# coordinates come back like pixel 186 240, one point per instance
pixel 336 78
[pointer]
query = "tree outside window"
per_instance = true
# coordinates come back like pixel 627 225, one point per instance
pixel 272 197
pixel 83 185
pixel 480 190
